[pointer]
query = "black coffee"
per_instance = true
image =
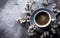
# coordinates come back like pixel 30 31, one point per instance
pixel 42 18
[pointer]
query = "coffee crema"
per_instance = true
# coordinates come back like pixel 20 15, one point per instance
pixel 42 18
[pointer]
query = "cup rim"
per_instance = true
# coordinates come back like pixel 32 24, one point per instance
pixel 46 23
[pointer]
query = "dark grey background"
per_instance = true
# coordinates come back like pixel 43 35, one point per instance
pixel 10 10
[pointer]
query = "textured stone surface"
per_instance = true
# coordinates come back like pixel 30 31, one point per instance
pixel 10 10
